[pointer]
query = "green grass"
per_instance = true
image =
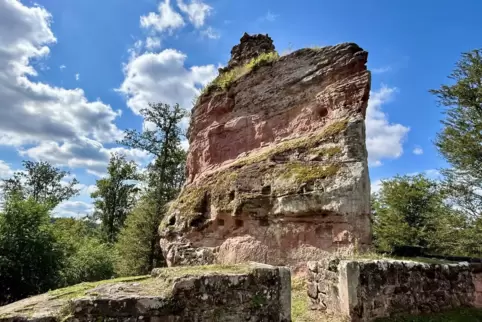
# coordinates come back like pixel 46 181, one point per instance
pixel 226 79
pixel 262 59
pixel 79 290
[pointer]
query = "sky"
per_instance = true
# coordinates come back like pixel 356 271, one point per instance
pixel 75 73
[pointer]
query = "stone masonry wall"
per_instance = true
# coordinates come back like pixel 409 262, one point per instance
pixel 366 290
pixel 255 293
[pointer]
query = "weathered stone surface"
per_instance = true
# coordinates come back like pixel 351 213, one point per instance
pixel 211 293
pixel 249 47
pixel 277 164
pixel 366 290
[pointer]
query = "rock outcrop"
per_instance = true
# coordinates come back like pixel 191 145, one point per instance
pixel 241 293
pixel 277 165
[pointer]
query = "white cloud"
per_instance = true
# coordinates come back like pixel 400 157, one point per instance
pixel 73 209
pixel 5 170
pixel 77 76
pixel 163 77
pixel 34 111
pixel 62 67
pixel 153 43
pixel 384 139
pixel 376 186
pixel 210 33
pixel 381 70
pixel 165 20
pixel 197 11
pixel 417 150
pixel 82 153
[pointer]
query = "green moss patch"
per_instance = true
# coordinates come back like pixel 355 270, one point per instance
pixel 79 290
pixel 302 172
pixel 226 79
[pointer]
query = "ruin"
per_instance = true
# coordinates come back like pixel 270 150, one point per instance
pixel 210 293
pixel 277 165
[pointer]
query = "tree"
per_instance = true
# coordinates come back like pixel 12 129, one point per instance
pixel 461 137
pixel 42 182
pixel 30 257
pixel 162 139
pixel 410 210
pixel 134 248
pixel 115 195
pixel 86 257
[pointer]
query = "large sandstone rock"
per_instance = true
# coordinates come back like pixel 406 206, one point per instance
pixel 210 293
pixel 277 164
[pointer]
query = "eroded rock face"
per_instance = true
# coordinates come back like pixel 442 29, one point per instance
pixel 254 293
pixel 277 165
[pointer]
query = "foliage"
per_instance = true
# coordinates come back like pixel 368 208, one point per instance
pixel 407 211
pixel 227 78
pixel 165 177
pixel 262 59
pixel 30 258
pixel 460 139
pixel 42 182
pixel 134 245
pixel 86 257
pixel 115 195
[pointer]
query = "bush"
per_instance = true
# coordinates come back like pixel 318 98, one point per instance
pixel 30 258
pixel 86 257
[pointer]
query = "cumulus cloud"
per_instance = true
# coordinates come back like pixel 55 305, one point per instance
pixel 77 76
pixel 62 67
pixel 197 11
pixel 417 150
pixel 34 111
pixel 166 19
pixel 5 170
pixel 74 209
pixel 384 139
pixel 163 77
pixel 81 153
pixel 153 43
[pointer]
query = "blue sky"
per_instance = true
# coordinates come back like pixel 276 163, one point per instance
pixel 74 73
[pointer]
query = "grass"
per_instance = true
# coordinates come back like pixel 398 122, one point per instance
pixel 79 290
pixel 262 59
pixel 226 79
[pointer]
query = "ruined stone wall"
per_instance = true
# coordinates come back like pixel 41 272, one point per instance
pixel 256 293
pixel 277 164
pixel 366 290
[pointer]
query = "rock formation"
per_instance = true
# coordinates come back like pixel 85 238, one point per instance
pixel 240 293
pixel 277 165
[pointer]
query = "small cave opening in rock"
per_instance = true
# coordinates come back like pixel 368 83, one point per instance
pixel 323 112
pixel 220 222
pixel 266 190
pixel 238 223
pixel 172 221
pixel 264 222
pixel 197 222
pixel 232 194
